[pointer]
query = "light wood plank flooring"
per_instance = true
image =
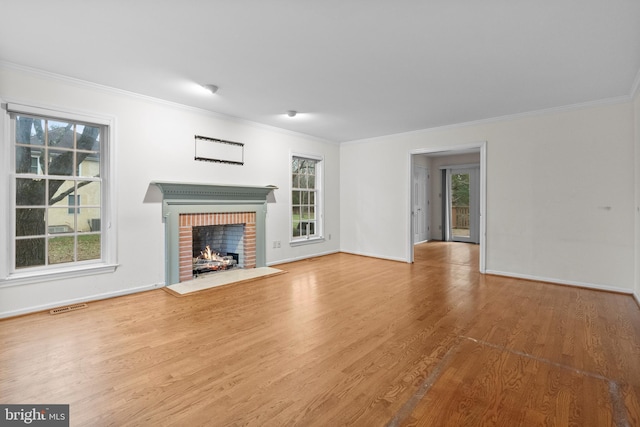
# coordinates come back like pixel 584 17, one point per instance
pixel 339 340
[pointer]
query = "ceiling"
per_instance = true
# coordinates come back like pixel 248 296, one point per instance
pixel 353 69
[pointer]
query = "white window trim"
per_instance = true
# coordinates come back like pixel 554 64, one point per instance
pixel 319 205
pixel 108 264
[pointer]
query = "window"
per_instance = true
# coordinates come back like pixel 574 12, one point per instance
pixel 57 160
pixel 74 204
pixel 306 215
pixel 35 165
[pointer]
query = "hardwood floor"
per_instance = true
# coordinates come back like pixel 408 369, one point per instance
pixel 339 340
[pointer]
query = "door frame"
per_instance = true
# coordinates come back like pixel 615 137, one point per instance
pixel 482 145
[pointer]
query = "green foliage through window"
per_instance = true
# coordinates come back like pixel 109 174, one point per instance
pixel 460 189
pixel 304 197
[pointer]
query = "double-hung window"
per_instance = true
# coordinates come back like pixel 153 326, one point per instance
pixel 58 161
pixel 306 197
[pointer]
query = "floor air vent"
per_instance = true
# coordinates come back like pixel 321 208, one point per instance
pixel 68 308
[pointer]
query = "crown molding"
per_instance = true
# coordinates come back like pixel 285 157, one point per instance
pixel 125 93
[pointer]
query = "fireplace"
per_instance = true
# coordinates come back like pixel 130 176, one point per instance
pixel 230 219
pixel 223 233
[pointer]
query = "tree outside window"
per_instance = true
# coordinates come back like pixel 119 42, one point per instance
pixel 305 188
pixel 57 163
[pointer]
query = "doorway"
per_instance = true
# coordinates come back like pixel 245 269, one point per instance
pixel 471 156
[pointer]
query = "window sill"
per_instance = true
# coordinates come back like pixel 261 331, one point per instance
pixel 23 278
pixel 310 241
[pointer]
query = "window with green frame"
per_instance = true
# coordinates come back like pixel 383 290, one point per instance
pixel 305 198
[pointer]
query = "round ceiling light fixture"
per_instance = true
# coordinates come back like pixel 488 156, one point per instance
pixel 292 113
pixel 211 88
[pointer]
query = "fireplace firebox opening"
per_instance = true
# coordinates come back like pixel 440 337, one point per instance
pixel 217 248
pixel 213 242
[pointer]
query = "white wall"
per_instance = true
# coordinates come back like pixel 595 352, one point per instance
pixel 559 194
pixel 154 142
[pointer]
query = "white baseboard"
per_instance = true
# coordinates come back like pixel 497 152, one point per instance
pixel 283 261
pixel 370 255
pixel 85 299
pixel 300 258
pixel 561 282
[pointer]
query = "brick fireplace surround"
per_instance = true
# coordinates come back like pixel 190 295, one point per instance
pixel 190 220
pixel 188 205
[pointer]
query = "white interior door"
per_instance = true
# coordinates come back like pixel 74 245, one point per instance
pixel 420 204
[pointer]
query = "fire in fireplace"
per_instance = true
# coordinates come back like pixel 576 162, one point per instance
pixel 209 261
pixel 228 241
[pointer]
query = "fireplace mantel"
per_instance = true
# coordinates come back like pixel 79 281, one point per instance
pixel 199 198
pixel 213 192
